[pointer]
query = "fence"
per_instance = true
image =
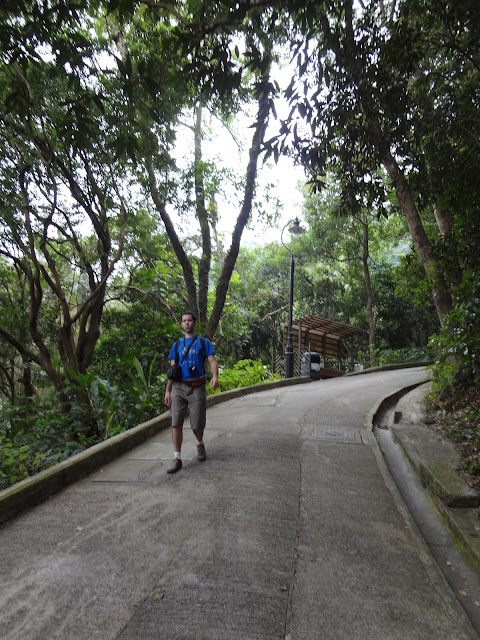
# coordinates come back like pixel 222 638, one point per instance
pixel 279 363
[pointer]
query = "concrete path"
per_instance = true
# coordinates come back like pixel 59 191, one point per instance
pixel 292 529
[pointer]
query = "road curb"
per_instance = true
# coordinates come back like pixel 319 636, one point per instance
pixel 454 500
pixel 448 485
pixel 35 489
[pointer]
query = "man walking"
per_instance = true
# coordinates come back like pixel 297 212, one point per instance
pixel 190 391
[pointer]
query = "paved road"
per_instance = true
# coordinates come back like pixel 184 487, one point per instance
pixel 292 529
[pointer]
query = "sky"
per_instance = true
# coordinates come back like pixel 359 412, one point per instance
pixel 220 147
pixel 284 178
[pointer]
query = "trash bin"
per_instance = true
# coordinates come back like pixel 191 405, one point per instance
pixel 311 365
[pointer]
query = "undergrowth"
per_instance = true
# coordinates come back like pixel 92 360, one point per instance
pixel 36 435
pixel 457 416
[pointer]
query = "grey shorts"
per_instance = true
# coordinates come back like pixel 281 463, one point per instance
pixel 184 397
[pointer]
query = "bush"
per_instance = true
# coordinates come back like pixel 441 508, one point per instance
pixel 384 357
pixel 403 356
pixel 457 347
pixel 244 374
pixel 34 437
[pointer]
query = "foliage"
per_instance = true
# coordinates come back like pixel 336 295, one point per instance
pixel 341 252
pixel 401 356
pixel 134 331
pixel 382 98
pixel 116 408
pixel 64 209
pixel 458 417
pixel 457 346
pixel 401 322
pixel 34 436
pixel 454 402
pixel 244 374
pixel 256 305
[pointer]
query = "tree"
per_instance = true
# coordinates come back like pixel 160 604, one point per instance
pixel 351 271
pixel 257 301
pixel 363 115
pixel 346 243
pixel 73 177
pixel 63 207
pixel 257 58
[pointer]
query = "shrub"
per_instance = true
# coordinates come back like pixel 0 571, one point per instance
pixel 457 346
pixel 243 374
pixel 384 357
pixel 34 437
pixel 402 356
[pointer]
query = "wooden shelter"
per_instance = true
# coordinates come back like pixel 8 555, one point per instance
pixel 312 333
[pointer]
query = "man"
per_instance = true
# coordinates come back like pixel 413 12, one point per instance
pixel 190 392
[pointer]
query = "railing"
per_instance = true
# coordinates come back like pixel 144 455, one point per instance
pixel 279 363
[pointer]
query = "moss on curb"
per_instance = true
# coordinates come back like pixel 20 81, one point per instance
pixel 446 483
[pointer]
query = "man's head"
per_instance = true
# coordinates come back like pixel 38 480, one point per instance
pixel 188 322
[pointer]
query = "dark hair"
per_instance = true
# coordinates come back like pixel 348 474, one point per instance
pixel 189 313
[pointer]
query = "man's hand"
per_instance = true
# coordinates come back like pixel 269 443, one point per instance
pixel 212 361
pixel 168 397
pixel 168 389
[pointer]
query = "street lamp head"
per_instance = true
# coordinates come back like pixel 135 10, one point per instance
pixel 296 229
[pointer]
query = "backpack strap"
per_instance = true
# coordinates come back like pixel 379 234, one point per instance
pixel 202 345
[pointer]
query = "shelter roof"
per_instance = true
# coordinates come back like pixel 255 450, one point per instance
pixel 322 326
pixel 324 336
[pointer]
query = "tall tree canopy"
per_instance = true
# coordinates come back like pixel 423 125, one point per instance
pixel 386 97
pixel 91 96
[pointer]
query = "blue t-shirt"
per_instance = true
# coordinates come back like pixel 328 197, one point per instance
pixel 194 357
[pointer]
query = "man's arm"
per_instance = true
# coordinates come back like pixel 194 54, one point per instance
pixel 212 361
pixel 168 388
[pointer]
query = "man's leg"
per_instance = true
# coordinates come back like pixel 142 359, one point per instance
pixel 198 417
pixel 201 452
pixel 177 439
pixel 177 408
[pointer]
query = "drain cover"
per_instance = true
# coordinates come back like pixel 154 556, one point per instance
pixel 337 435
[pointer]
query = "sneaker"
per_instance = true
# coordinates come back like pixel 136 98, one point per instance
pixel 175 466
pixel 201 453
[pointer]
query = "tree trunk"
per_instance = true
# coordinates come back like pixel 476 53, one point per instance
pixel 26 378
pixel 368 288
pixel 444 222
pixel 232 254
pixel 202 216
pixel 182 257
pixel 441 294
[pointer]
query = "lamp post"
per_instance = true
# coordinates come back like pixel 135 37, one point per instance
pixel 295 229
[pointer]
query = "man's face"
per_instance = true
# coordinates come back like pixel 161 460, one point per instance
pixel 188 323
